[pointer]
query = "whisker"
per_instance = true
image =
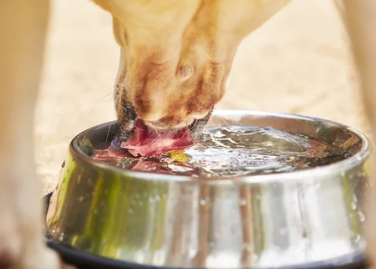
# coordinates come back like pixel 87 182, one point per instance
pixel 107 101
pixel 90 132
pixel 223 120
pixel 210 121
pixel 180 131
pixel 157 132
pixel 99 100
pixel 108 131
pixel 229 95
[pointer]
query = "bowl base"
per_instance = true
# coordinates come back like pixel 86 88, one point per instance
pixel 83 260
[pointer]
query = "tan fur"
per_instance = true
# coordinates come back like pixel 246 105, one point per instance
pixel 176 57
pixel 179 53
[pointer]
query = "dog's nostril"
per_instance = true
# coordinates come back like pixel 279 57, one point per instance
pixel 184 72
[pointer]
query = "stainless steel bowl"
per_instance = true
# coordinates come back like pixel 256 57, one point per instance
pixel 291 219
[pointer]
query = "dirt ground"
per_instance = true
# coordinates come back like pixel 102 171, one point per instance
pixel 298 62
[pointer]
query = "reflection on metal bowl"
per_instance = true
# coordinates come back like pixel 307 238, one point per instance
pixel 291 219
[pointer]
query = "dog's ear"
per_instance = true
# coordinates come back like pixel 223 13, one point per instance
pixel 359 18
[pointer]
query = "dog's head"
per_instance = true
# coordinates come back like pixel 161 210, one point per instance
pixel 177 55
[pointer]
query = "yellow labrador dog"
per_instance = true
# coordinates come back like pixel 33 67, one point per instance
pixel 176 57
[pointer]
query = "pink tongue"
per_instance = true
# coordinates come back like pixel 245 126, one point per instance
pixel 147 142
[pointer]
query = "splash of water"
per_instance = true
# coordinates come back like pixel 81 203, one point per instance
pixel 238 150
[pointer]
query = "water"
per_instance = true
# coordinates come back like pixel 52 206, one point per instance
pixel 238 150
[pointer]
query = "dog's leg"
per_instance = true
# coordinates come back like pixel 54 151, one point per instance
pixel 22 33
pixel 360 21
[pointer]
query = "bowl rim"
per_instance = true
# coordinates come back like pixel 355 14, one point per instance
pixel 336 168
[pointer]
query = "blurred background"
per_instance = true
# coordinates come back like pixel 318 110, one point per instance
pixel 298 62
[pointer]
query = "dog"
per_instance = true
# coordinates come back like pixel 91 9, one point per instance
pixel 176 57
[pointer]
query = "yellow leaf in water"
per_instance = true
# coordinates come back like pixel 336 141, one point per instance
pixel 178 156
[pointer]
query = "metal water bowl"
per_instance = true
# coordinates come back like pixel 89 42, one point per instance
pixel 305 219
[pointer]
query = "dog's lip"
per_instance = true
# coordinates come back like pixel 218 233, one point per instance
pixel 125 133
pixel 184 124
pixel 146 141
pixel 194 128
